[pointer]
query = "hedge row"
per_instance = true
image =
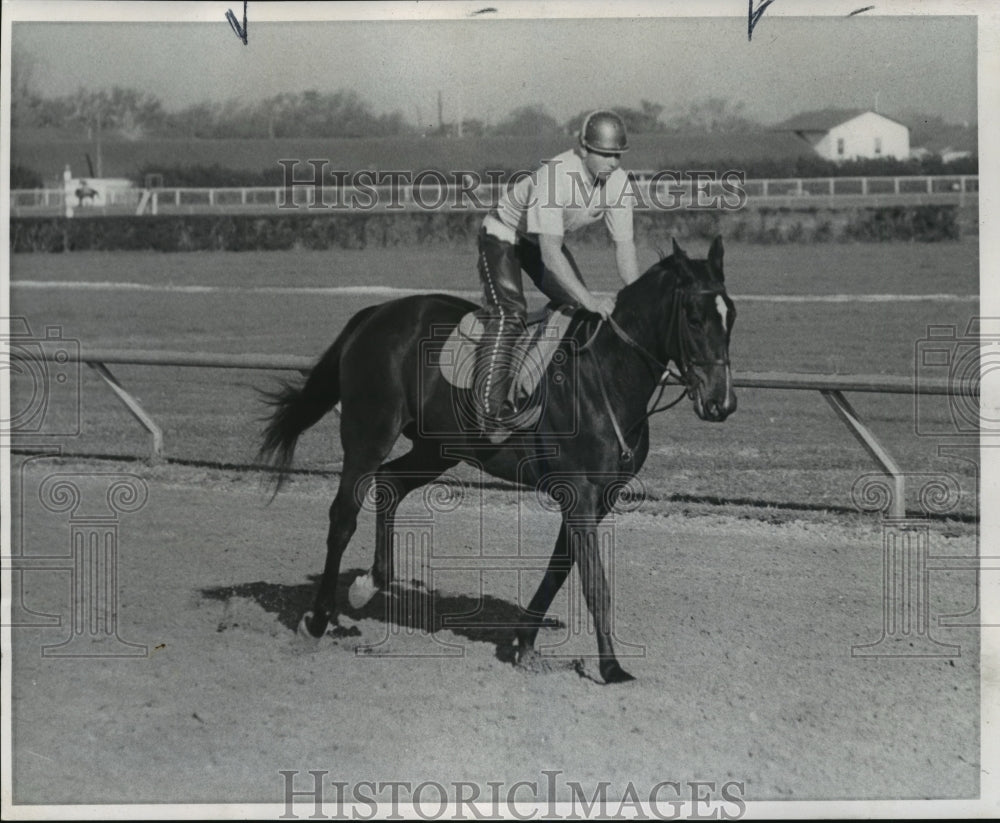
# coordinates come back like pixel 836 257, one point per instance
pixel 357 231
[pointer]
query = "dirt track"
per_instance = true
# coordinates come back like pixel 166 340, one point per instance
pixel 742 631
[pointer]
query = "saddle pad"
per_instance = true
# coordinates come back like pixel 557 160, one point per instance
pixel 534 350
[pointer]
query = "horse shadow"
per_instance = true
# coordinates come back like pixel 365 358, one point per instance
pixel 410 607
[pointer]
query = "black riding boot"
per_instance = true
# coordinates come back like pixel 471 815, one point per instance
pixel 503 314
pixel 495 369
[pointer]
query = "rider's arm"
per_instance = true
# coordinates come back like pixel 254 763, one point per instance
pixel 619 221
pixel 628 263
pixel 555 261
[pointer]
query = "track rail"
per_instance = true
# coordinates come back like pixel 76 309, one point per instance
pixel 830 386
pixel 658 190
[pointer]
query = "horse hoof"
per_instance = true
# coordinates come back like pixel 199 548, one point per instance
pixel 614 673
pixel 362 590
pixel 531 662
pixel 304 631
pixel 339 631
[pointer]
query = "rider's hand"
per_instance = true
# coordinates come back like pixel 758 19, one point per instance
pixel 603 306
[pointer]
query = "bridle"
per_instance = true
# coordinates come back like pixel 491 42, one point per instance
pixel 684 340
pixel 687 377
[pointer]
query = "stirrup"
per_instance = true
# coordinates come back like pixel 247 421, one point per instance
pixel 497 436
pixel 510 420
pixel 525 418
pixel 495 431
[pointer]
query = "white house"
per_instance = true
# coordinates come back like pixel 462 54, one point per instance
pixel 850 134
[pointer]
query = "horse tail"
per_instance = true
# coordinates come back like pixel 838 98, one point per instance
pixel 298 407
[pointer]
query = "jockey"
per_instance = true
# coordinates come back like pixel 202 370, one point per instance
pixel 525 232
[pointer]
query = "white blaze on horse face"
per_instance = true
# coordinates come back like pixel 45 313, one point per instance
pixel 720 304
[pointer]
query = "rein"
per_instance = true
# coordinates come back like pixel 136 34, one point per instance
pixel 684 378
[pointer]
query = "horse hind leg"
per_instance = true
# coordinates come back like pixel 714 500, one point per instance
pixel 423 464
pixel 343 522
pixel 359 469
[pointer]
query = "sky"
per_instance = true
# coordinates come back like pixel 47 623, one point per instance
pixel 485 66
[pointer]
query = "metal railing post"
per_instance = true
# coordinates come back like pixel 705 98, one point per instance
pixel 137 411
pixel 845 411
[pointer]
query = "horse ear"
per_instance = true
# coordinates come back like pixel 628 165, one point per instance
pixel 682 269
pixel 678 251
pixel 715 257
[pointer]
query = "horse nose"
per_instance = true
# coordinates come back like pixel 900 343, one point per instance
pixel 719 411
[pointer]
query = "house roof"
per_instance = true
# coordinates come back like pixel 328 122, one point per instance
pixel 823 119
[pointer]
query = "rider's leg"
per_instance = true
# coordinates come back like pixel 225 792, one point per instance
pixel 529 257
pixel 503 315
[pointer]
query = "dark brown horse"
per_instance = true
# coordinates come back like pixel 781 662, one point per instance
pixel 593 432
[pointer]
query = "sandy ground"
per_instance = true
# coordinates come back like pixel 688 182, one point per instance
pixel 739 632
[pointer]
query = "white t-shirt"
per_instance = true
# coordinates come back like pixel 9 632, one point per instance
pixel 559 198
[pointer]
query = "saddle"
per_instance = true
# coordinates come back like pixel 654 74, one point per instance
pixel 534 350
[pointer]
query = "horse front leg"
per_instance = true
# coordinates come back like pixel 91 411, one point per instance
pixel 530 622
pixel 585 553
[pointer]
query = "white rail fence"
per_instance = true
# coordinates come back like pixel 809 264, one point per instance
pixel 660 194
pixel 831 387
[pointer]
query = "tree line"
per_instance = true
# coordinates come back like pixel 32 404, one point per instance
pixel 134 114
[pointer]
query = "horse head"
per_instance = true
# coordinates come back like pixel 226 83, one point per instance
pixel 700 324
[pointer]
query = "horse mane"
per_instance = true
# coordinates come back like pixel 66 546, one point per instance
pixel 649 289
pixel 649 285
pixel 662 275
pixel 636 308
